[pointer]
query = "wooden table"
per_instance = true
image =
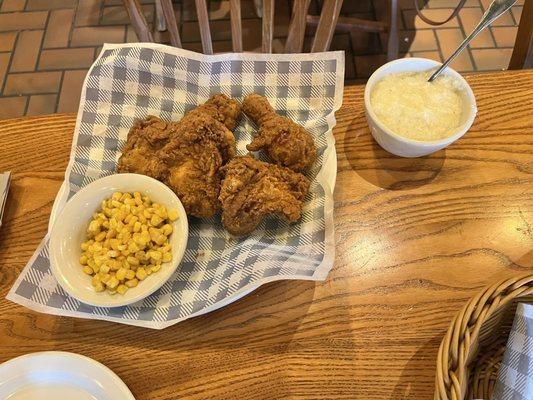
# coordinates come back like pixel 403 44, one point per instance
pixel 415 239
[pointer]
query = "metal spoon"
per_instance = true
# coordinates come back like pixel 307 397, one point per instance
pixel 497 8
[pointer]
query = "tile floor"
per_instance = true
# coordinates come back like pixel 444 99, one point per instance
pixel 47 46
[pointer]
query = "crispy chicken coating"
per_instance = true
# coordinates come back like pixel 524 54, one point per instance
pixel 286 143
pixel 252 189
pixel 186 155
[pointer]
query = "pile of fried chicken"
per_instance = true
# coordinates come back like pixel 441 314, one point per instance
pixel 196 158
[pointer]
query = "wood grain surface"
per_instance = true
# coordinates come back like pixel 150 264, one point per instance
pixel 415 239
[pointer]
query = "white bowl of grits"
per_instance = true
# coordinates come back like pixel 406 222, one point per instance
pixel 410 117
pixel 100 235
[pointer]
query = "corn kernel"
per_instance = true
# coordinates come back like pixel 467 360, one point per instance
pixel 141 274
pixel 88 270
pixel 116 196
pixel 83 260
pixel 112 282
pixel 99 287
pixel 156 268
pixel 130 274
pixel 112 253
pixel 173 215
pixel 156 255
pixel 121 289
pixel 84 246
pixel 121 274
pixel 133 260
pixel 132 282
pixel 167 257
pixel 166 229
pixel 156 220
pixel 100 237
pixel 94 226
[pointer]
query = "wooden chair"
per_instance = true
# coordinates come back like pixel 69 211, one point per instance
pixel 522 56
pixel 325 24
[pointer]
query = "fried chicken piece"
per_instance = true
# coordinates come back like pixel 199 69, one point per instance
pixel 197 148
pixel 286 143
pixel 145 138
pixel 186 155
pixel 221 108
pixel 252 189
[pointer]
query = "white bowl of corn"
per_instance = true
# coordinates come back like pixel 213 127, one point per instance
pixel 118 240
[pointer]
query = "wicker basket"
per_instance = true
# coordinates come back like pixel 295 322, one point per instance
pixel 471 352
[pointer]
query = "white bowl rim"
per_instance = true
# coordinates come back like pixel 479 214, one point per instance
pixel 141 295
pixel 461 130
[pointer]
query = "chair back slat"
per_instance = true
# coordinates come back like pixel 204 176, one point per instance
pixel 138 20
pixel 236 25
pixel 203 22
pixel 522 56
pixel 170 20
pixel 326 25
pixel 296 33
pixel 267 26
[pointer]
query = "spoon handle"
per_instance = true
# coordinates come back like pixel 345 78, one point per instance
pixel 496 8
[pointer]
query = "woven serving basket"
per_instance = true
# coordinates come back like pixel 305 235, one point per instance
pixel 471 351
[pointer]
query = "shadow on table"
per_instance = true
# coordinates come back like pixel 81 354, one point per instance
pixel 391 172
pixel 271 314
pixel 410 384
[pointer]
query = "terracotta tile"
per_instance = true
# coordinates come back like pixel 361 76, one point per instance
pixel 432 55
pixel 26 51
pixel 96 35
pixel 42 104
pixel 449 39
pixel 32 83
pixel 366 65
pixel 131 36
pixel 517 12
pixel 470 18
pixel 420 40
pixel 505 35
pixel 50 4
pixel 4 62
pixel 221 30
pixel 413 21
pixel 12 5
pixel 117 15
pixel 491 59
pixel 7 40
pixel 23 20
pixel 162 37
pixel 58 29
pixel 12 107
pixel 69 98
pixel 66 58
pixel 504 20
pixel 450 3
pixel 88 12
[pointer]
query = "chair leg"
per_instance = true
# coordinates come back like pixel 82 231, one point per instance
pixel 160 18
pixel 523 48
pixel 170 19
pixel 138 20
pixel 392 39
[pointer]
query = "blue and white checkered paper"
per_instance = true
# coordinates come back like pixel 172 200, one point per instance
pixel 515 378
pixel 132 81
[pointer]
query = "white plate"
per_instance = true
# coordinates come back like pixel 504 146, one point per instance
pixel 69 232
pixel 59 375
